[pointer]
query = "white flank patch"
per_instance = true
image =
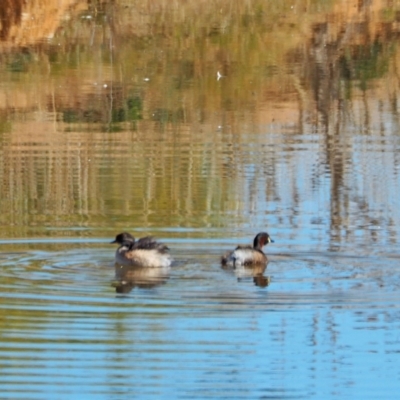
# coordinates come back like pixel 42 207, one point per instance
pixel 142 258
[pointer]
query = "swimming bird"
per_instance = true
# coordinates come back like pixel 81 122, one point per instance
pixel 145 252
pixel 247 255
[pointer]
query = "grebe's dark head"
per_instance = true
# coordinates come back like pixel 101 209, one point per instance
pixel 262 239
pixel 124 237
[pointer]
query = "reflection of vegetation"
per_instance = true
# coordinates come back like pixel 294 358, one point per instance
pixel 131 111
pixel 365 63
pixel 149 72
pixel 134 109
pixel 165 116
pixel 20 62
pixel 5 124
pixel 179 51
pixel 10 14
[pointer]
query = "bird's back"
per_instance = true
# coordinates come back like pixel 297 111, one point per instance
pixel 146 252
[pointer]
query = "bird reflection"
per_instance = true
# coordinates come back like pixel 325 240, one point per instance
pixel 129 277
pixel 256 271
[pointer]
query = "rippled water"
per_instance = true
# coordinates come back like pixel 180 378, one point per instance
pixel 202 123
pixel 321 321
pixel 197 330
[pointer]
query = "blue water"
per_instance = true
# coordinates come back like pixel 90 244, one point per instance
pixel 325 327
pixel 117 122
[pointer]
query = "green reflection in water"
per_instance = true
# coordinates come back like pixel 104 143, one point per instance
pixel 121 119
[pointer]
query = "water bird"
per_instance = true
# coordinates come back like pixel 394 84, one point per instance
pixel 145 252
pixel 248 255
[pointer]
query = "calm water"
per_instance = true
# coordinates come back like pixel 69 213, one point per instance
pixel 113 118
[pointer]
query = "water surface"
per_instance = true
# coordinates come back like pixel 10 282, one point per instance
pixel 202 124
